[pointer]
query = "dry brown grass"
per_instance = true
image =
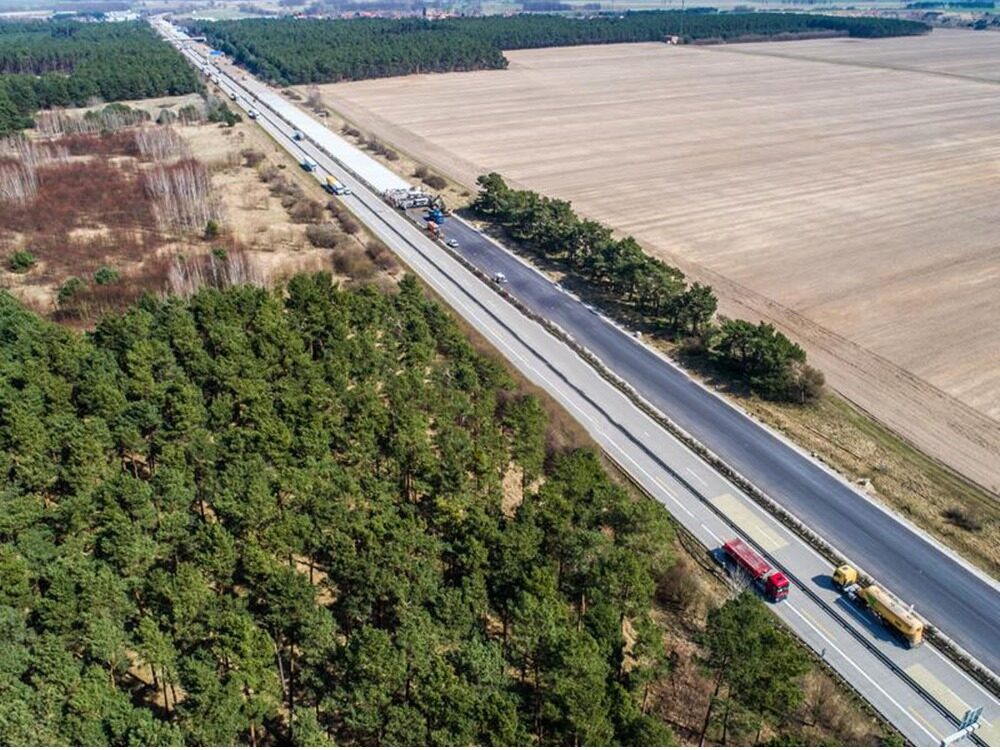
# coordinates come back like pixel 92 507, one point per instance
pixel 892 472
pixel 153 239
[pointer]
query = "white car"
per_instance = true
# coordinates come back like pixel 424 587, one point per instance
pixel 499 278
pixel 451 242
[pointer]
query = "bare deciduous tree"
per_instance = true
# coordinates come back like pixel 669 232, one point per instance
pixel 161 144
pixel 18 183
pixel 20 159
pixel 182 195
pixel 313 98
pixel 187 275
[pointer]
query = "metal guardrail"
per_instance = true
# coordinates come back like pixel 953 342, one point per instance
pixel 787 519
pixel 704 453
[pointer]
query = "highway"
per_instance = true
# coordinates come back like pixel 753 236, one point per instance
pixel 919 691
pixel 962 602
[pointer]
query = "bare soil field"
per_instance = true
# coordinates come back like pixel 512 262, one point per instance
pixel 845 190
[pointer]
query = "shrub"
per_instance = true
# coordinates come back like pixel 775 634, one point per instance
pixel 381 256
pixel 106 275
pixel 189 113
pixel 693 345
pixel 350 224
pixel 391 155
pixel 421 172
pixel 353 263
pixel 69 289
pixel 21 261
pixel 322 235
pixel 252 157
pixel 436 181
pixel 961 518
pixel 306 211
pixel 219 111
pixel 805 383
pixel 212 229
pixel 269 173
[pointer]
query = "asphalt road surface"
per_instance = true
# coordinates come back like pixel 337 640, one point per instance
pixel 962 602
pixel 919 691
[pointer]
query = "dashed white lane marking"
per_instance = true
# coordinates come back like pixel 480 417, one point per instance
pixel 693 473
pixel 711 533
pixel 673 497
pixel 862 673
pixel 698 478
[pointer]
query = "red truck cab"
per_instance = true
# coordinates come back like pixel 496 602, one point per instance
pixel 740 554
pixel 776 587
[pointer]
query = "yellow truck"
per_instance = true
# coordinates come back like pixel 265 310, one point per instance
pixel 893 613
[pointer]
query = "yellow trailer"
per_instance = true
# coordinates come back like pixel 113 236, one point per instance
pixel 893 613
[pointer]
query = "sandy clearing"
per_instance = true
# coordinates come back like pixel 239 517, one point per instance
pixel 853 204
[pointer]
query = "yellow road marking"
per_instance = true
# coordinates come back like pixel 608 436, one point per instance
pixel 747 520
pixel 926 724
pixel 989 732
pixel 944 694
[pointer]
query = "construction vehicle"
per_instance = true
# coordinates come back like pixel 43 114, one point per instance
pixel 890 611
pixel 335 187
pixel 308 164
pixel 436 215
pixel 739 554
pixel 407 198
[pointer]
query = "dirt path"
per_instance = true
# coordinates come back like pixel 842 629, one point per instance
pixel 936 423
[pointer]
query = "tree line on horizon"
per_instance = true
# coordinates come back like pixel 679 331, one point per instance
pixel 69 64
pixel 297 51
pixel 758 355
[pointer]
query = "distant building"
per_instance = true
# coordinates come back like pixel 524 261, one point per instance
pixel 120 16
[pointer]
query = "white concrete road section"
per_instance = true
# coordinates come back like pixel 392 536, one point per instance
pixel 261 95
pixel 366 168
pixel 919 691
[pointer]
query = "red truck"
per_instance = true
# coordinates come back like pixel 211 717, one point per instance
pixel 739 553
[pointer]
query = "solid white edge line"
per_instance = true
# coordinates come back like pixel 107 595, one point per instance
pixel 860 671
